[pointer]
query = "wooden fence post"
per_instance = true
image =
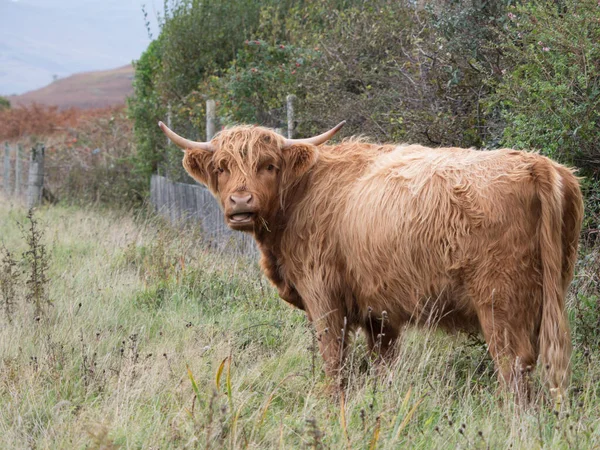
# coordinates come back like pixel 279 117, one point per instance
pixel 18 171
pixel 211 119
pixel 290 100
pixel 6 168
pixel 35 184
pixel 169 121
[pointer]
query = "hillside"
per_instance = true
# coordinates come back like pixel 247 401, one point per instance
pixel 83 90
pixel 40 39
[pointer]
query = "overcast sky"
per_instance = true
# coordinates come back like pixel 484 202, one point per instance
pixel 43 38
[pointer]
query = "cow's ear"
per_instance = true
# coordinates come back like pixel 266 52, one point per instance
pixel 298 159
pixel 198 164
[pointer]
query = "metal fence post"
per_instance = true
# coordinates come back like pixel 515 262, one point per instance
pixel 291 125
pixel 18 171
pixel 6 168
pixel 35 184
pixel 211 119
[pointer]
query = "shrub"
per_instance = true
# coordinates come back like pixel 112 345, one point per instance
pixel 4 103
pixel 254 88
pixel 95 163
pixel 550 93
pixel 397 73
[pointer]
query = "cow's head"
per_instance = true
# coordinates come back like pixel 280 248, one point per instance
pixel 247 168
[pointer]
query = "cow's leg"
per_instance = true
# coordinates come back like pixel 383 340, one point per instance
pixel 512 348
pixel 332 332
pixel 382 338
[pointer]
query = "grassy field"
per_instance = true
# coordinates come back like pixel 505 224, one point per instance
pixel 152 341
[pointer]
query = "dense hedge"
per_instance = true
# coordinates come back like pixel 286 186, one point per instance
pixel 466 73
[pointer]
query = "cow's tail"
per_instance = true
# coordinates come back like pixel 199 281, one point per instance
pixel 554 337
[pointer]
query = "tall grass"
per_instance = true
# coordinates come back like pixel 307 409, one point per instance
pixel 154 342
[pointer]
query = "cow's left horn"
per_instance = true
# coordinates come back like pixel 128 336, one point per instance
pixel 184 143
pixel 316 140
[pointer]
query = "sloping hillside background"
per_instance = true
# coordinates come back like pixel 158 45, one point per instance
pixel 86 90
pixel 43 39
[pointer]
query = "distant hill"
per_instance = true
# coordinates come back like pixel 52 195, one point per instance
pixel 43 38
pixel 83 90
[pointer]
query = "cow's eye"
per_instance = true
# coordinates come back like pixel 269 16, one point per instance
pixel 270 167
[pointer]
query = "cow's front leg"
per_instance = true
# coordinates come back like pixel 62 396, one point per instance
pixel 332 333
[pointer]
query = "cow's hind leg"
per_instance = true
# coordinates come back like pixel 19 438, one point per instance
pixel 382 338
pixel 513 348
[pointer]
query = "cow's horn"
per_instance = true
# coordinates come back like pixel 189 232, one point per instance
pixel 316 140
pixel 184 143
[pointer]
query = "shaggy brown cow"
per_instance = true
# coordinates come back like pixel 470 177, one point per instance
pixel 377 236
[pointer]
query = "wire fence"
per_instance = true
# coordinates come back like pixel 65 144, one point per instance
pixel 22 173
pixel 23 178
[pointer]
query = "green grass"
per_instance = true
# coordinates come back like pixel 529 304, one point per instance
pixel 144 322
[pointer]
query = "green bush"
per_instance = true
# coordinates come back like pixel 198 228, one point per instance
pixel 145 108
pixel 206 50
pixel 197 39
pixel 397 73
pixel 254 88
pixel 460 73
pixel 550 91
pixel 4 103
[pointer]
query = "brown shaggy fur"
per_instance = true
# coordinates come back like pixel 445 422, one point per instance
pixel 376 237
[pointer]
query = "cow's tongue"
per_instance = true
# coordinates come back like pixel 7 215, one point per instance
pixel 241 217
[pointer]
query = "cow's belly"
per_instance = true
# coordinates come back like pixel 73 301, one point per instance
pixel 425 298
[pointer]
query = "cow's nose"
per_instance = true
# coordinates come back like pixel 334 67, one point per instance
pixel 241 200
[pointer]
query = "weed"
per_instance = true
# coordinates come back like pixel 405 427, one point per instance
pixel 315 434
pixel 586 307
pixel 9 279
pixel 37 259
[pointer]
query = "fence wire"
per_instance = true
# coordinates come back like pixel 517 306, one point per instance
pixel 14 170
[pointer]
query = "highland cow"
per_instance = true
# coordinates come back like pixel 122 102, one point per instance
pixel 375 237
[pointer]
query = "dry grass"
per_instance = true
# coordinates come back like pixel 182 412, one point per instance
pixel 153 342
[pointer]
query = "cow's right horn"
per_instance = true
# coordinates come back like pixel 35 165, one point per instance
pixel 184 143
pixel 316 140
